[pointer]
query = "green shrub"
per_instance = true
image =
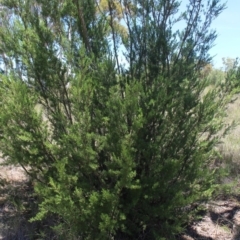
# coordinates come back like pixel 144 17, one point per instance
pixel 124 152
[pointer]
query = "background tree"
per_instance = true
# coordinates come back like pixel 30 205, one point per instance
pixel 124 152
pixel 228 63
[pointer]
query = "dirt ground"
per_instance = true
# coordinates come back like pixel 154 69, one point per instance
pixel 12 183
pixel 221 222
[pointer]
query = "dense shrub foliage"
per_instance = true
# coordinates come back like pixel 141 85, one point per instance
pixel 118 149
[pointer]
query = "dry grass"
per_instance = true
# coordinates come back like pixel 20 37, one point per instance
pixel 230 147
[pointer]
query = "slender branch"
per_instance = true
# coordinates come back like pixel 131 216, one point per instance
pixel 113 34
pixel 83 27
pixel 32 175
pixel 189 28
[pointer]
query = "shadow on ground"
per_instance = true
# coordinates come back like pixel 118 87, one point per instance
pixel 190 232
pixel 221 222
pixel 15 203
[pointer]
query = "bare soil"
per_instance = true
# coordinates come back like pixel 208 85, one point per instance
pixel 221 222
pixel 13 182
